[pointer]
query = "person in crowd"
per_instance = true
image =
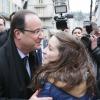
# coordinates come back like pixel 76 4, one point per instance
pixel 92 43
pixel 77 32
pixel 3 37
pixel 45 41
pixel 38 52
pixel 2 23
pixel 17 59
pixel 95 52
pixel 4 34
pixel 67 72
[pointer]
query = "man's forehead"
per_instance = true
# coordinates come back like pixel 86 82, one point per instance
pixel 32 16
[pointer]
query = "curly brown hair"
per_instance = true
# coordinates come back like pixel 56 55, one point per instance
pixel 73 66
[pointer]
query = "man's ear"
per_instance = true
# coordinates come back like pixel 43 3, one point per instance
pixel 17 33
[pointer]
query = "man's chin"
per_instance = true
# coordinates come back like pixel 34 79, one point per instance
pixel 37 46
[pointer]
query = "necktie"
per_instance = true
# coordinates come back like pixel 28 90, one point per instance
pixel 26 65
pixel 25 72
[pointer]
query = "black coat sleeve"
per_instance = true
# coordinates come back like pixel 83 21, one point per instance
pixel 96 54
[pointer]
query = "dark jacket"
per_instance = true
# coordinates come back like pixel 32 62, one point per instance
pixel 14 80
pixel 96 57
pixel 58 94
pixel 4 36
pixel 96 54
pixel 39 55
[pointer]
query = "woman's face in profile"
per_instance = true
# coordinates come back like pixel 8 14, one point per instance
pixel 51 52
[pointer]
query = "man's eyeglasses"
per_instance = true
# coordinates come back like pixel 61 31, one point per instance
pixel 36 32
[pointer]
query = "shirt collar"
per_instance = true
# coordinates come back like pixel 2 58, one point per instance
pixel 22 55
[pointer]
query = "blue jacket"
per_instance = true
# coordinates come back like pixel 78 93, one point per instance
pixel 58 94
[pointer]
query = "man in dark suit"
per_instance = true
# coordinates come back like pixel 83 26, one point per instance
pixel 15 74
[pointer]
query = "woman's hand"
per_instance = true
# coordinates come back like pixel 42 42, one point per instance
pixel 34 97
pixel 93 39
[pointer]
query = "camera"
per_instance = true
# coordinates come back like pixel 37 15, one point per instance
pixel 61 23
pixel 88 26
pixel 61 20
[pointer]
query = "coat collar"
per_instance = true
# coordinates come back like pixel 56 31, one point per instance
pixel 77 91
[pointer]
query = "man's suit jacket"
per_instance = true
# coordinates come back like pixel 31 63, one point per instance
pixel 4 36
pixel 13 79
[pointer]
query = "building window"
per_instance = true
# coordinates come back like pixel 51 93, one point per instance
pixel 40 1
pixel 5 6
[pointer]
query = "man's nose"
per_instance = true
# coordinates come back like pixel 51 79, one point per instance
pixel 41 35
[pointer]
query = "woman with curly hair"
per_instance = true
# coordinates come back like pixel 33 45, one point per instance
pixel 67 71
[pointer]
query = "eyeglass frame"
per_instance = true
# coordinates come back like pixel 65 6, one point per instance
pixel 36 32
